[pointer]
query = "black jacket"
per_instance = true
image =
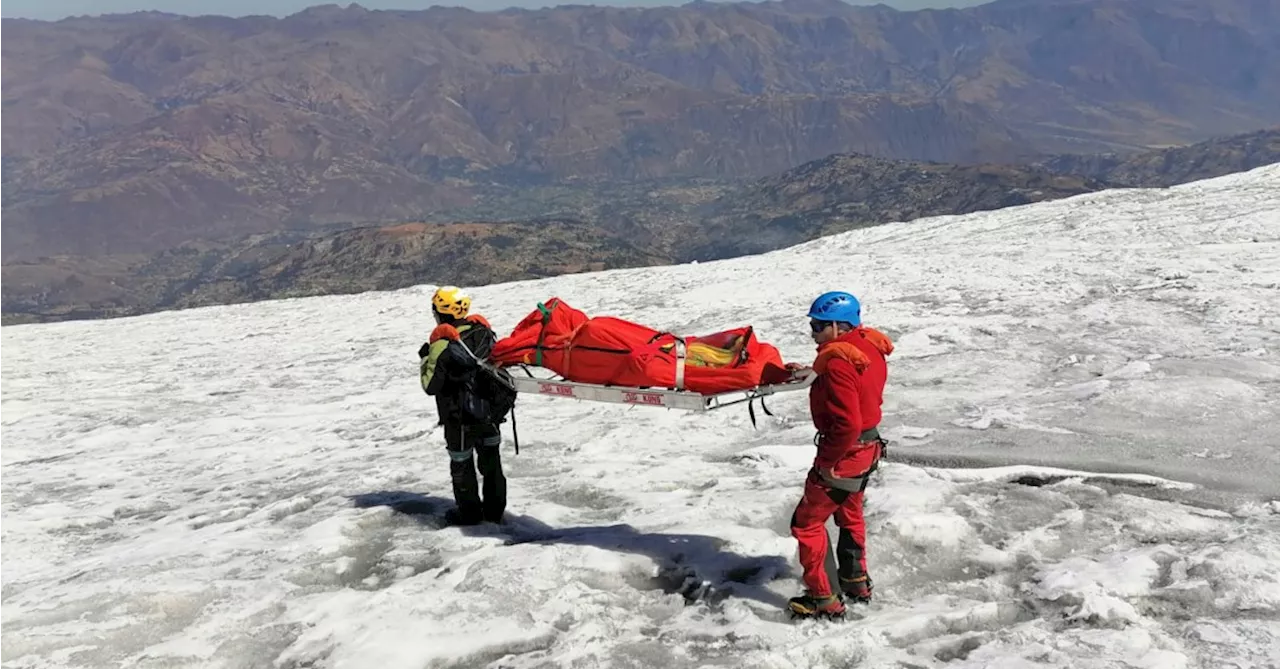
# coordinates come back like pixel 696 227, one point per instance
pixel 445 366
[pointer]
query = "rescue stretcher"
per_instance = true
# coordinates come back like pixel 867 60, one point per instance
pixel 608 359
pixel 669 398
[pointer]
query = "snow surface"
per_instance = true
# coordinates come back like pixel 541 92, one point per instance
pixel 261 485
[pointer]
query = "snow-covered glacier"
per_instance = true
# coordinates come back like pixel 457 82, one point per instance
pixel 1083 409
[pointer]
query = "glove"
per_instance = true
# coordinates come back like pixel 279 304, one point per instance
pixel 797 370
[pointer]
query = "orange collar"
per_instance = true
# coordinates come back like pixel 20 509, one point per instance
pixel 444 331
pixel 843 347
pixel 448 331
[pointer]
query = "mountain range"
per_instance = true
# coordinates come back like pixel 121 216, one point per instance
pixel 593 226
pixel 137 133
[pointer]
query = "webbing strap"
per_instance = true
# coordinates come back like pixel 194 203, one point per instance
pixel 742 352
pixel 751 410
pixel 681 351
pixel 515 434
pixel 866 437
pixel 680 356
pixel 853 483
pixel 542 332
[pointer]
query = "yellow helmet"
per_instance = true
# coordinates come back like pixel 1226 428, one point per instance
pixel 450 300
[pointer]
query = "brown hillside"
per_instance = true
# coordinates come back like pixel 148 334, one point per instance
pixel 135 133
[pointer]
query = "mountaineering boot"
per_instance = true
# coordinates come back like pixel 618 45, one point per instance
pixel 489 462
pixel 807 605
pixel 857 589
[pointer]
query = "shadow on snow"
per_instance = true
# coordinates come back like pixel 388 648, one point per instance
pixel 694 565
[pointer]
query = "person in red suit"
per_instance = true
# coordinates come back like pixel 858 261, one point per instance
pixel 844 402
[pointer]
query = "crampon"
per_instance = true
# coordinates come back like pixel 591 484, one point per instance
pixel 808 606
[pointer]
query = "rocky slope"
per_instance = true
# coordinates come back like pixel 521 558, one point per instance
pixel 137 133
pixel 649 225
pixel 843 192
pixel 286 265
pixel 1205 160
pixel 589 226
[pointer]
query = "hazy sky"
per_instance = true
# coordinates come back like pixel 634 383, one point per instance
pixel 56 9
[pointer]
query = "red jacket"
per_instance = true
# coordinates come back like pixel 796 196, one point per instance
pixel 845 399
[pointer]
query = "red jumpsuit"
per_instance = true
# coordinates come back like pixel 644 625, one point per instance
pixel 845 404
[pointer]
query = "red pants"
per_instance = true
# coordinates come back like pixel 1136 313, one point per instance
pixel 808 524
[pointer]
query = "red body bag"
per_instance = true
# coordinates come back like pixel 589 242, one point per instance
pixel 611 351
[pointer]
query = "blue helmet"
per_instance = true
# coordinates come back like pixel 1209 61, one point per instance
pixel 837 306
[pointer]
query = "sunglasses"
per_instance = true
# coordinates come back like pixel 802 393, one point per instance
pixel 819 326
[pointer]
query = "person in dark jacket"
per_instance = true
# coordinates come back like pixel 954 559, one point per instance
pixel 448 361
pixel 844 402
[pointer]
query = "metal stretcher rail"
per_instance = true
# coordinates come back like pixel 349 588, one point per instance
pixel 685 400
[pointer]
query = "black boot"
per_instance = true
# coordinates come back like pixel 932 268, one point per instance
pixel 489 461
pixel 857 589
pixel 466 489
pixel 854 581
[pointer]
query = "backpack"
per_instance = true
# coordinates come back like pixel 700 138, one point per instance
pixel 489 396
pixel 488 392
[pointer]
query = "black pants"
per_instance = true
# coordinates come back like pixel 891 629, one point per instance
pixel 468 447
